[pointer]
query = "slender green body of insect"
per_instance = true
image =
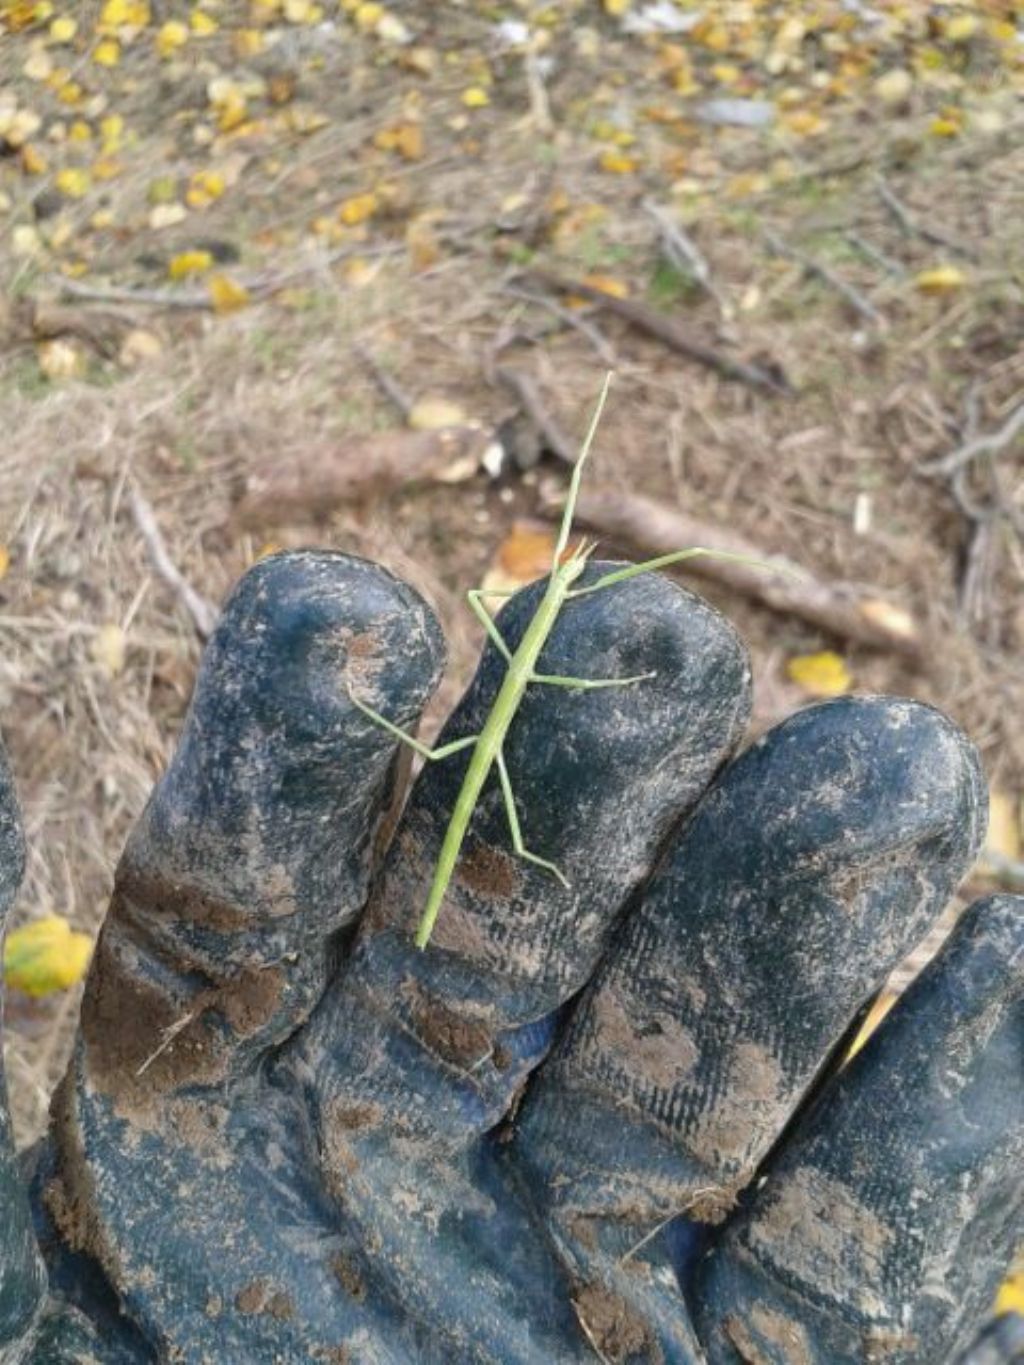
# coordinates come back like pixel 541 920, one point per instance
pixel 566 568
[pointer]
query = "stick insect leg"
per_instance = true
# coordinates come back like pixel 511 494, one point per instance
pixel 676 557
pixel 475 598
pixel 443 752
pixel 513 824
pixel 557 680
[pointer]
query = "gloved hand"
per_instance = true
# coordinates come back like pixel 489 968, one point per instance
pixel 597 1123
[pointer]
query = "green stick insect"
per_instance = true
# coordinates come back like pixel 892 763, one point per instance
pixel 488 745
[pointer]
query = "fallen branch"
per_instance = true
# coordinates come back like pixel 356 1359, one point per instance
pixel 203 613
pixel 318 480
pixel 255 286
pixel 912 227
pixel 989 443
pixel 665 330
pixel 852 295
pixel 529 397
pixel 835 608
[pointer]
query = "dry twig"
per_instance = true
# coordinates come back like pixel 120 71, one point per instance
pixel 835 608
pixel 852 295
pixel 913 227
pixel 887 263
pixel 682 252
pixel 577 320
pixel 645 319
pixel 255 285
pixel 528 394
pixel 988 443
pixel 203 613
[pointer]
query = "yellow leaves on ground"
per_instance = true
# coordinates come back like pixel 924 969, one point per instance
pixel 123 14
pixel 171 37
pixel 46 956
pixel 358 209
pixel 107 53
pixel 226 294
pixel 228 100
pixel 617 163
pixel 188 263
pixel 820 675
pixel 404 138
pixel 63 29
pixel 942 279
pixel 204 188
pixel 475 97
pixel 73 181
pixel 202 24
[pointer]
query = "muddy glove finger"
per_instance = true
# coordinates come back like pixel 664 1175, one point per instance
pixel 889 1217
pixel 813 865
pixel 256 846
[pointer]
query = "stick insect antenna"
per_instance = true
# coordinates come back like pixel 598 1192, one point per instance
pixel 577 474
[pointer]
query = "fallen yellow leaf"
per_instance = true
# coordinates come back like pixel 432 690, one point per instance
pixel 475 97
pixel 171 37
pixel 358 209
pixel 73 181
pixel 226 294
pixel 617 163
pixel 111 132
pixel 942 279
pixel 204 188
pixel 820 675
pixel 608 284
pixel 117 14
pixel 202 24
pixel 107 52
pixel 5 560
pixel 46 956
pixel 302 12
pixel 189 263
pixel 404 138
pixel 108 648
pixel 32 160
pixel 63 29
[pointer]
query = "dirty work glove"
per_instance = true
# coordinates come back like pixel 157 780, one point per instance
pixel 595 1123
